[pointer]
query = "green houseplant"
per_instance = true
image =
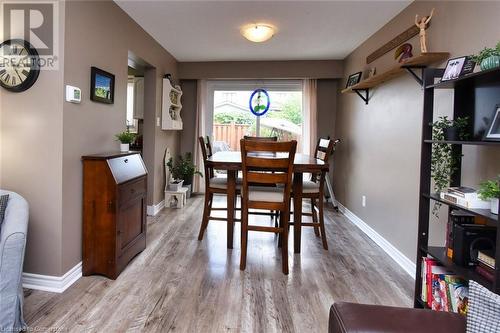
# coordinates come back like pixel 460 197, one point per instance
pixel 490 190
pixel 125 138
pixel 488 58
pixel 444 160
pixel 183 169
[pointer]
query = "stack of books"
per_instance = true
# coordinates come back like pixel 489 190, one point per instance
pixel 442 290
pixel 456 216
pixel 486 264
pixel 464 196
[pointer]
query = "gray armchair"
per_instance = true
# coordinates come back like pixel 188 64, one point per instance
pixel 12 245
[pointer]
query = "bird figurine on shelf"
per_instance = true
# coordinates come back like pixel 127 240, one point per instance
pixel 403 52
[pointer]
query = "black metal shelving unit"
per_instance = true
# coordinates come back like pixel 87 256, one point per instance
pixel 475 96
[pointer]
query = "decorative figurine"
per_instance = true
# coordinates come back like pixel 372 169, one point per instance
pixel 422 25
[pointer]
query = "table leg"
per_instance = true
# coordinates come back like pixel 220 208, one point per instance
pixel 231 199
pixel 297 210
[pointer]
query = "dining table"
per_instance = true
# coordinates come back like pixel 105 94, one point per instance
pixel 230 161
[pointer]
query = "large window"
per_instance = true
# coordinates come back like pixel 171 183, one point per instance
pixel 230 118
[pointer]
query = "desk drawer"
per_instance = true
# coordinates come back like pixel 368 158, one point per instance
pixel 132 190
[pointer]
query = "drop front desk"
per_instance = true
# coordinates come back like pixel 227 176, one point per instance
pixel 114 211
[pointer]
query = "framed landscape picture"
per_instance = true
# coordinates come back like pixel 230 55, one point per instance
pixel 102 86
pixel 353 79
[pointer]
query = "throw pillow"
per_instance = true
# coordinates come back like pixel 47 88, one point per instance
pixel 3 206
pixel 483 315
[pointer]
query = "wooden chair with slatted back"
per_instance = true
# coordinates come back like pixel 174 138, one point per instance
pixel 314 190
pixel 266 163
pixel 261 138
pixel 213 185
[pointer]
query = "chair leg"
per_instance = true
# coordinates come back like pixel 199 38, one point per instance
pixel 244 236
pixel 280 234
pixel 207 207
pixel 322 222
pixel 284 241
pixel 314 217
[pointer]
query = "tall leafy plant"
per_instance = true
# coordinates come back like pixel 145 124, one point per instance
pixel 444 161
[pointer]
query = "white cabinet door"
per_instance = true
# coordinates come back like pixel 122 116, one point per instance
pixel 138 98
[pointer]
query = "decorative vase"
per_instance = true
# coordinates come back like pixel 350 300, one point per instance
pixel 490 62
pixel 124 147
pixel 494 205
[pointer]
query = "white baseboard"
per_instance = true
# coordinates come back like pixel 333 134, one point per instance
pixel 55 284
pixel 392 251
pixel 153 210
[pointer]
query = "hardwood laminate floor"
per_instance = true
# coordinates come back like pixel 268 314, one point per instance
pixel 178 284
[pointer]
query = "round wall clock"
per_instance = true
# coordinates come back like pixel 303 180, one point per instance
pixel 19 65
pixel 259 102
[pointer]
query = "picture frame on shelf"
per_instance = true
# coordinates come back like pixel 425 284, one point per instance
pixel 493 133
pixel 457 67
pixel 353 79
pixel 102 86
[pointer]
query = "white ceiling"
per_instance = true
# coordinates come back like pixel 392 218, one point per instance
pixel 307 30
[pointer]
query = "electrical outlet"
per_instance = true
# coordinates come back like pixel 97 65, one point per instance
pixel 363 200
pixel 157 121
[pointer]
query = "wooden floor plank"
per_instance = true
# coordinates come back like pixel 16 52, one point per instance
pixel 178 284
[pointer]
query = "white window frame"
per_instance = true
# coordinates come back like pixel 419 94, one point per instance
pixel 239 85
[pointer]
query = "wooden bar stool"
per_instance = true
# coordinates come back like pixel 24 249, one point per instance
pixel 213 185
pixel 266 163
pixel 314 190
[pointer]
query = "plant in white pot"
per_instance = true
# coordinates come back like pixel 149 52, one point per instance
pixel 125 138
pixel 490 190
pixel 184 169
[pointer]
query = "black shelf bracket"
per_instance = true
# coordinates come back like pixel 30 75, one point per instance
pixel 366 96
pixel 417 78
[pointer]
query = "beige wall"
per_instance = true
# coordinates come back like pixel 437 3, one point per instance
pixel 99 33
pixel 313 69
pixel 380 155
pixel 31 160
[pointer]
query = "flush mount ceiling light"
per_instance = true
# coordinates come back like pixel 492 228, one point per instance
pixel 257 32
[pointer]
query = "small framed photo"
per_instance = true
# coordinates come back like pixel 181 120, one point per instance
pixel 493 133
pixel 353 79
pixel 102 86
pixel 457 67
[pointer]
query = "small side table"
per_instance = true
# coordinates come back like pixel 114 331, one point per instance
pixel 176 199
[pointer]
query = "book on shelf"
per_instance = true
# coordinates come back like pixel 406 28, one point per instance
pixel 487 258
pixel 487 272
pixel 463 192
pixel 442 290
pixel 466 203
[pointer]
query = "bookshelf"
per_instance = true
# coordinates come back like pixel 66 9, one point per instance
pixel 475 96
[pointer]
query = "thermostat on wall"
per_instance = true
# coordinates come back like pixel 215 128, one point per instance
pixel 73 94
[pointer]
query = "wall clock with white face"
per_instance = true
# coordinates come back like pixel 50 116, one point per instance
pixel 19 65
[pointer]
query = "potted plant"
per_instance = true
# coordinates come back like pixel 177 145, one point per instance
pixel 490 190
pixel 125 138
pixel 184 169
pixel 488 58
pixel 450 129
pixel 444 160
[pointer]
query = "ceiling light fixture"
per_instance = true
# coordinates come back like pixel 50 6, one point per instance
pixel 257 32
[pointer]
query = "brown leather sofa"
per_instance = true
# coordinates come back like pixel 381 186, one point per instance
pixel 363 318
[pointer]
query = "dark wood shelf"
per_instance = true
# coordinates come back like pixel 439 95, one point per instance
pixel 419 61
pixel 467 143
pixel 478 212
pixel 439 253
pixel 471 78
